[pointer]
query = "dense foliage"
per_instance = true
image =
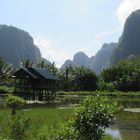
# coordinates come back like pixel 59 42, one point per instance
pixel 47 65
pixel 125 76
pixel 18 125
pixel 6 89
pixel 14 103
pixel 78 79
pixel 5 70
pixel 90 120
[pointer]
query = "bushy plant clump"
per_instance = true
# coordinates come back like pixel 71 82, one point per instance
pixel 18 123
pixel 125 76
pixel 90 120
pixel 5 89
pixel 14 103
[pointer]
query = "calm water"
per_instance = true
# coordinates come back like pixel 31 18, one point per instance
pixel 126 126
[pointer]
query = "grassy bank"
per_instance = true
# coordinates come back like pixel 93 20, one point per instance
pixel 101 93
pixel 49 118
pixel 124 99
pixel 40 117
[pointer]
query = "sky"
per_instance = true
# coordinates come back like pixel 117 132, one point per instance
pixel 60 28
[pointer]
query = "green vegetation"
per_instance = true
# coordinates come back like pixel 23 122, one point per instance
pixel 6 89
pixel 46 120
pixel 40 118
pixel 17 124
pixel 77 79
pixel 119 83
pixel 19 127
pixel 92 117
pixel 88 114
pixel 101 93
pixel 121 97
pixel 13 103
pixel 125 76
pixel 26 63
pixel 5 70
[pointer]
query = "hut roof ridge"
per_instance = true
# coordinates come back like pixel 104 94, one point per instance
pixel 44 72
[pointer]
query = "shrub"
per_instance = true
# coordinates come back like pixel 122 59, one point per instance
pixel 18 125
pixel 67 132
pixel 45 133
pixel 104 86
pixel 5 89
pixel 93 117
pixel 14 103
pixel 125 75
pixel 90 120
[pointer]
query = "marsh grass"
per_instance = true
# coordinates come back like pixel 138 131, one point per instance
pixel 51 118
pixel 40 117
pixel 103 93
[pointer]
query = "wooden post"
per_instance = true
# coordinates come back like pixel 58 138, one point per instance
pixel 15 84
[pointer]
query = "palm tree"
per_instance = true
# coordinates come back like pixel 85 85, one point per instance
pixel 5 70
pixel 26 63
pixel 66 75
pixel 41 64
pixel 53 69
pixel 47 65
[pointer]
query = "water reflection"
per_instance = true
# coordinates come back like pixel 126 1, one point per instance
pixel 115 133
pixel 135 110
pixel 126 126
pixel 125 130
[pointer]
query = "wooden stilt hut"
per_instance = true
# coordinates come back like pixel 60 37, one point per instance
pixel 35 83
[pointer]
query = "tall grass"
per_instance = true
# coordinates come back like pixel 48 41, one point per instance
pixel 40 117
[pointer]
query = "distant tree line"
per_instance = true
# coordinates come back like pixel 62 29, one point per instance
pixel 124 76
pixel 78 79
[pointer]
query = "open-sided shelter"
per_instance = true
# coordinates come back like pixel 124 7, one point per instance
pixel 35 83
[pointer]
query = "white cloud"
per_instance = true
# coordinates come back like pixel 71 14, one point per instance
pixel 107 33
pixel 125 9
pixel 50 51
pixel 58 40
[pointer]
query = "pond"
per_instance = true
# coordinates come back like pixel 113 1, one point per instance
pixel 126 126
